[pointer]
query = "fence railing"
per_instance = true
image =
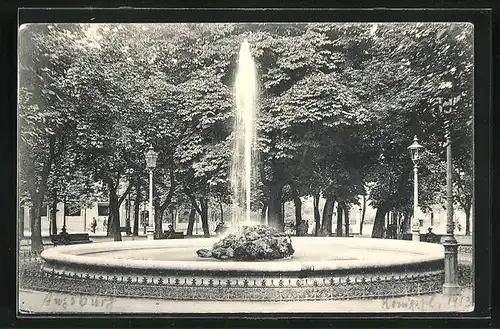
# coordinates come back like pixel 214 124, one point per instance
pixel 195 288
pixel 178 288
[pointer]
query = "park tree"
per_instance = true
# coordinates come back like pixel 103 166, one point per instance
pixel 204 149
pixel 399 87
pixel 188 116
pixel 160 125
pixel 46 117
pixel 71 183
pixel 339 104
pixel 311 111
pixel 110 109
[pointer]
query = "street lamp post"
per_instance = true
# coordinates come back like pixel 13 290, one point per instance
pixel 450 286
pixel 63 229
pixel 415 149
pixel 360 222
pixel 151 157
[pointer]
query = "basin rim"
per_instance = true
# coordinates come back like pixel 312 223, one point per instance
pixel 75 256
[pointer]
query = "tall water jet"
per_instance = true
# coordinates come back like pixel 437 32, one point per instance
pixel 243 157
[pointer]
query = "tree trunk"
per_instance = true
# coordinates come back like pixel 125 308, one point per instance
pixel 21 221
pixel 362 216
pixel 137 209
pixel 467 219
pixel 404 223
pixel 36 226
pixel 263 214
pixel 317 217
pixel 204 217
pixel 159 211
pixel 53 213
pixel 37 195
pixel 298 211
pixel 379 222
pixel 36 220
pixel 394 221
pixel 114 218
pixel 161 207
pixel 339 219
pixel 326 224
pixel 172 213
pixel 346 219
pixel 221 213
pixel 387 222
pixel 127 212
pixel 109 231
pixel 192 215
pixel 275 215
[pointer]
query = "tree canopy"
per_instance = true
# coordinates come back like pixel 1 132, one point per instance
pixel 339 104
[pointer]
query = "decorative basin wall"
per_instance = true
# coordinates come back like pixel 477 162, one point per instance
pixel 321 268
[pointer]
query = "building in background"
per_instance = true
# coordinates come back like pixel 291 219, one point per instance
pixel 79 219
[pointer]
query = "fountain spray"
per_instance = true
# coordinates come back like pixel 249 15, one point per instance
pixel 243 157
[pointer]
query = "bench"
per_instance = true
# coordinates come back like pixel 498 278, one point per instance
pixel 221 230
pixel 431 238
pixel 406 236
pixel 68 239
pixel 125 229
pixel 173 235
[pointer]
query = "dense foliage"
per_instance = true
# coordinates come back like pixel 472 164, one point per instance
pixel 339 105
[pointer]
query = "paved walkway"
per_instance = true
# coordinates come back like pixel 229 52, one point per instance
pixel 101 237
pixel 461 239
pixel 25 243
pixel 35 301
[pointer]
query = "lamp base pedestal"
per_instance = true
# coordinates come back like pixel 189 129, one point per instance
pixel 150 233
pixel 451 290
pixel 450 286
pixel 415 234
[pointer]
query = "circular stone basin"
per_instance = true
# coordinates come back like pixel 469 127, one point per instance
pixel 312 254
pixel 322 268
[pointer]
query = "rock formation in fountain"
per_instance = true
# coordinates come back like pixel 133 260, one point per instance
pixel 258 242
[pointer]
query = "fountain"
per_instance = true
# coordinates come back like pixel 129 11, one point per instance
pixel 321 268
pixel 243 158
pixel 245 240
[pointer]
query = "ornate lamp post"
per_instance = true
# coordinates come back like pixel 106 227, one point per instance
pixel 360 218
pixel 65 203
pixel 450 286
pixel 151 157
pixel 415 150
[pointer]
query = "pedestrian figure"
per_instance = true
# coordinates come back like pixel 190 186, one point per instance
pixel 93 225
pixel 392 231
pixel 170 231
pixel 302 228
pixel 219 229
pixel 430 236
